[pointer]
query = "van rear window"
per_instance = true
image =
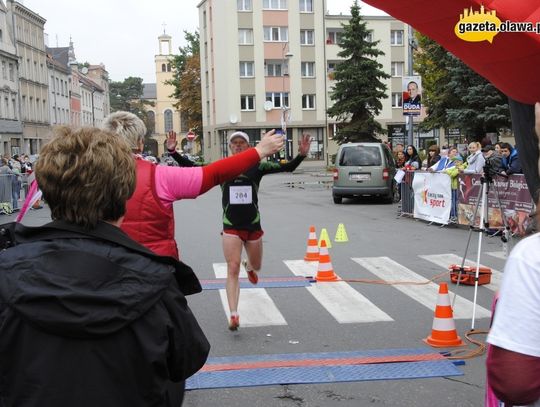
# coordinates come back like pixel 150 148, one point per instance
pixel 360 156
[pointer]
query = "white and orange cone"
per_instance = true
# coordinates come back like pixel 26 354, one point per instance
pixel 325 271
pixel 443 332
pixel 312 251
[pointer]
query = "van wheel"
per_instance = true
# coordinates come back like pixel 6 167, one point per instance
pixel 337 199
pixel 392 195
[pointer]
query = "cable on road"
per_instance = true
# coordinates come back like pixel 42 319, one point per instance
pixel 388 282
pixel 470 353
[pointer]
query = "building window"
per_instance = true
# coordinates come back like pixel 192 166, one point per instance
pixel 11 73
pixel 396 37
pixel 276 34
pixel 245 36
pixel 306 6
pixel 247 102
pixel 274 69
pixel 4 72
pixel 369 36
pixel 243 5
pixel 278 99
pixel 308 102
pixel 168 120
pixel 168 67
pixel 246 69
pixel 163 68
pixel 334 37
pixel 275 4
pixel 397 68
pixel 397 99
pixel 308 69
pixel 306 37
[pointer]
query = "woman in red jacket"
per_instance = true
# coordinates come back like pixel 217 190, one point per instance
pixel 149 218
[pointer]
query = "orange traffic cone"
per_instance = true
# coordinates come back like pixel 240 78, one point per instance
pixel 325 271
pixel 443 332
pixel 312 251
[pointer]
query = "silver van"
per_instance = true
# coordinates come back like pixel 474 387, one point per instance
pixel 364 169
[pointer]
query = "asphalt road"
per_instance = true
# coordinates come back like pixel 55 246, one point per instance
pixel 289 204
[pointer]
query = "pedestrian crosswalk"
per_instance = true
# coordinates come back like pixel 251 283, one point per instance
pixel 346 303
pixel 341 300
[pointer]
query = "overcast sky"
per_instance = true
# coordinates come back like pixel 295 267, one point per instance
pixel 123 33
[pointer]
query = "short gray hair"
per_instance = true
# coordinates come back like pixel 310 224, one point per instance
pixel 127 125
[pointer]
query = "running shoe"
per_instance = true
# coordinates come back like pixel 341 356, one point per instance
pixel 234 322
pixel 252 275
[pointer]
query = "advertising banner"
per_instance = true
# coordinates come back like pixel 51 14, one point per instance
pixel 515 202
pixel 432 197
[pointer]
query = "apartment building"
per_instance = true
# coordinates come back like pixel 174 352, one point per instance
pixel 11 135
pixel 100 76
pixel 92 100
pixel 59 96
pixel 29 42
pixel 268 59
pixel 87 95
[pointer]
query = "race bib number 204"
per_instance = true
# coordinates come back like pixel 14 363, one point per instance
pixel 240 195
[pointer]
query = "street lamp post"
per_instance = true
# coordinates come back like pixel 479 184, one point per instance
pixel 410 123
pixel 285 110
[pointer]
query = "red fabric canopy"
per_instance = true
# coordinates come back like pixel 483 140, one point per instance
pixel 511 62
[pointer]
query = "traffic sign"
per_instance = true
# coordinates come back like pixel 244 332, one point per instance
pixel 190 136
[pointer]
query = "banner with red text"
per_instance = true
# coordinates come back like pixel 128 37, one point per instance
pixel 432 197
pixel 514 196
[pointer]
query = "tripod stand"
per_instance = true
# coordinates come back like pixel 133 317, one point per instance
pixel 482 204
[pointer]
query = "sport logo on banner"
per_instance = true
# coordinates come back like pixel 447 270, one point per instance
pixel 432 197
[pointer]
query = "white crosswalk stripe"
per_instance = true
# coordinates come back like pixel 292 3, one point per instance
pixel 345 302
pixel 256 308
pixel 445 260
pixel 426 294
pixel 342 301
pixel 499 254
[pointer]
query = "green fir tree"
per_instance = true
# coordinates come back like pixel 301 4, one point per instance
pixel 359 86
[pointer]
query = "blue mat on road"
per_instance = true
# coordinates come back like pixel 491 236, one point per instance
pixel 268 282
pixel 320 374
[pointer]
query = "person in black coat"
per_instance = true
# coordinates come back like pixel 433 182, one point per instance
pixel 88 317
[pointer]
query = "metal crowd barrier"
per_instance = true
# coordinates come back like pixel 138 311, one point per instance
pixel 406 204
pixel 7 183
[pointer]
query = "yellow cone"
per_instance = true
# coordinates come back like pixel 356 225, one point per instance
pixel 324 237
pixel 341 234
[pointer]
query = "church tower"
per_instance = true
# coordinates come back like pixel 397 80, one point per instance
pixel 167 117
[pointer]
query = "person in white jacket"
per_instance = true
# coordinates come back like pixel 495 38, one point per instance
pixel 475 160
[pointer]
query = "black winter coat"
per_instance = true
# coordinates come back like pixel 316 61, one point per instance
pixel 93 319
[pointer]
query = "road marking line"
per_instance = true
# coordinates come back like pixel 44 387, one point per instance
pixel 255 308
pixel 445 260
pixel 499 255
pixel 342 301
pixel 426 294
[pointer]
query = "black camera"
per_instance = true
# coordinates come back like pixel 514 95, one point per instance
pixel 492 166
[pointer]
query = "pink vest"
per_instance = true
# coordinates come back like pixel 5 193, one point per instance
pixel 147 221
